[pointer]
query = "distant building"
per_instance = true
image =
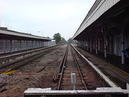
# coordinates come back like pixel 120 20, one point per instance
pixel 11 41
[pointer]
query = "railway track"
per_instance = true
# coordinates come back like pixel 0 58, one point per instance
pixel 76 76
pixel 86 77
pixel 79 71
pixel 14 61
pixel 72 68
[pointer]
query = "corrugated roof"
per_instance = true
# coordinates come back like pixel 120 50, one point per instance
pixel 93 7
pixel 4 30
pixel 98 8
pixel 96 3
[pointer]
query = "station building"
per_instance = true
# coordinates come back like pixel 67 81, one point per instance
pixel 12 41
pixel 105 31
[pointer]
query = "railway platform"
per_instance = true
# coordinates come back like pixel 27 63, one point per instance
pixel 115 72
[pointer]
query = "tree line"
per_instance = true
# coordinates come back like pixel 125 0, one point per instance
pixel 59 39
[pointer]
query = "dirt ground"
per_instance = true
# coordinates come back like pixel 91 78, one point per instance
pixel 36 74
pixel 39 73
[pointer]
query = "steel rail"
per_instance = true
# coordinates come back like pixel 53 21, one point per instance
pixel 99 72
pixel 62 69
pixel 58 71
pixel 22 53
pixel 25 59
pixel 79 71
pixel 9 54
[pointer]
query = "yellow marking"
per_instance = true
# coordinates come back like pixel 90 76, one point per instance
pixel 9 72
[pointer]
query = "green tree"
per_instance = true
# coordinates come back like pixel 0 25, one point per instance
pixel 57 37
pixel 63 40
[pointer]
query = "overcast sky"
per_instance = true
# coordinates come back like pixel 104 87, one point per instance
pixel 44 17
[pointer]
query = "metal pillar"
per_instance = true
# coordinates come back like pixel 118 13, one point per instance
pixel 122 54
pixel 96 46
pixel 104 30
pixel 105 48
pixel 90 45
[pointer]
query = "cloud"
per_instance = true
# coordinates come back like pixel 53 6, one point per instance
pixel 46 16
pixel 3 6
